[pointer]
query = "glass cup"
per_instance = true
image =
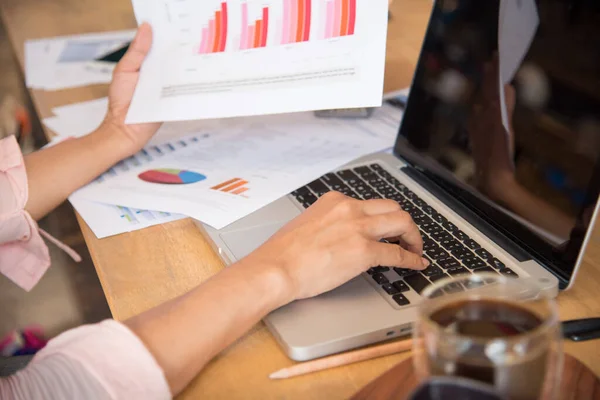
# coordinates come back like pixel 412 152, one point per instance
pixel 491 329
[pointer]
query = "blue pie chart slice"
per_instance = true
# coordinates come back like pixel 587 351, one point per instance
pixel 169 176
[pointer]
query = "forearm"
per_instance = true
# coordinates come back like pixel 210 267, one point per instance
pixel 184 334
pixel 56 172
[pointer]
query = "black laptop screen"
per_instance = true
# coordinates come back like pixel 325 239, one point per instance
pixel 533 174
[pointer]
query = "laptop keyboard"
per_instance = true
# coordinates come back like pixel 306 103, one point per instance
pixel 450 251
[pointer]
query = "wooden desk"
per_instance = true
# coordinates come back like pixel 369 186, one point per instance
pixel 143 269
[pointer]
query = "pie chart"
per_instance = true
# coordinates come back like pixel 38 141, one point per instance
pixel 169 176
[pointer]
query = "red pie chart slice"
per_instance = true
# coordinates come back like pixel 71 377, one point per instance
pixel 171 176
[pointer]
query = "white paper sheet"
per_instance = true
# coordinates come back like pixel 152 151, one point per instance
pixel 180 81
pixel 68 61
pixel 518 21
pixel 268 159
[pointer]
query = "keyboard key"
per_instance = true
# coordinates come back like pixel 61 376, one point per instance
pixel 390 289
pixel 401 300
pixel 363 170
pixel 483 253
pixel 450 226
pixel 432 270
pixel 332 180
pixel 349 177
pixel 436 278
pixel 438 253
pixel 376 167
pixel 380 278
pixel 306 199
pixel 509 272
pixel 484 269
pixel 401 286
pixel 438 218
pixel 402 272
pixel 453 287
pixel 460 235
pixel 428 210
pixel 448 262
pixel 318 187
pixel 497 264
pixel 458 271
pixel 418 282
pixel 377 270
pixel 441 236
pixel 461 253
pixel 470 243
pixel 387 176
pixel 419 202
pixel 368 195
pixel 429 244
pixel 449 244
pixel 474 262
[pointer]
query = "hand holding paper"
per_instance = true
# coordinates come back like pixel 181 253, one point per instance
pixel 122 88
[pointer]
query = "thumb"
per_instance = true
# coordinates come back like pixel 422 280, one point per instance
pixel 138 50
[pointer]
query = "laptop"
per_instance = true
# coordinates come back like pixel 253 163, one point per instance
pixel 533 223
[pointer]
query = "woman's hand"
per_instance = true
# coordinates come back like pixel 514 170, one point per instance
pixel 125 79
pixel 335 240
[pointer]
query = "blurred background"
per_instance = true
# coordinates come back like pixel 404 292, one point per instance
pixel 70 293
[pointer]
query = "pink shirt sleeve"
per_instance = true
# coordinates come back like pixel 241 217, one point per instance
pixel 24 257
pixel 102 361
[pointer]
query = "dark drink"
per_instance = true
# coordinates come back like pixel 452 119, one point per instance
pixel 520 369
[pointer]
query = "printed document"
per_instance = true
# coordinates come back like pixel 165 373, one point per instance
pixel 235 171
pixel 226 58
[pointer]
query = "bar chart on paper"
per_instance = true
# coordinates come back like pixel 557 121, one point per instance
pixel 217 26
pixel 214 34
pixel 236 186
pixel 219 56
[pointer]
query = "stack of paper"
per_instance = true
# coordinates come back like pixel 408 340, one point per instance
pixel 234 171
pixel 268 157
pixel 69 61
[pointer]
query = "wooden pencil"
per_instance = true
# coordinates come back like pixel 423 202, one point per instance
pixel 338 360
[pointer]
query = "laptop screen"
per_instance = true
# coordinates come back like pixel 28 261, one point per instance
pixel 504 115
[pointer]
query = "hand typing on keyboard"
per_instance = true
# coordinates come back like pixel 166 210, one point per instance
pixel 337 239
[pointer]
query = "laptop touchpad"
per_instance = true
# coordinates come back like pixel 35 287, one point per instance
pixel 245 235
pixel 245 241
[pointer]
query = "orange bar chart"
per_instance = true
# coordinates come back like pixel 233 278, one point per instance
pixel 235 186
pixel 214 34
pixel 339 18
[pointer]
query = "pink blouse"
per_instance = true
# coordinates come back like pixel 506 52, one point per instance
pixel 24 257
pixel 102 361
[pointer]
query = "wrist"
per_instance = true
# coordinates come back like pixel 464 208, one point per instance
pixel 120 144
pixel 270 279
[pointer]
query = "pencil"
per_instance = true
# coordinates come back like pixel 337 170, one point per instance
pixel 343 359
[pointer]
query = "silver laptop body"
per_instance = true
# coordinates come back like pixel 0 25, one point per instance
pixel 361 312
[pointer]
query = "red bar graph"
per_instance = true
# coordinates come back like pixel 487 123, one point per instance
pixel 254 35
pixel 296 21
pixel 339 18
pixel 214 35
